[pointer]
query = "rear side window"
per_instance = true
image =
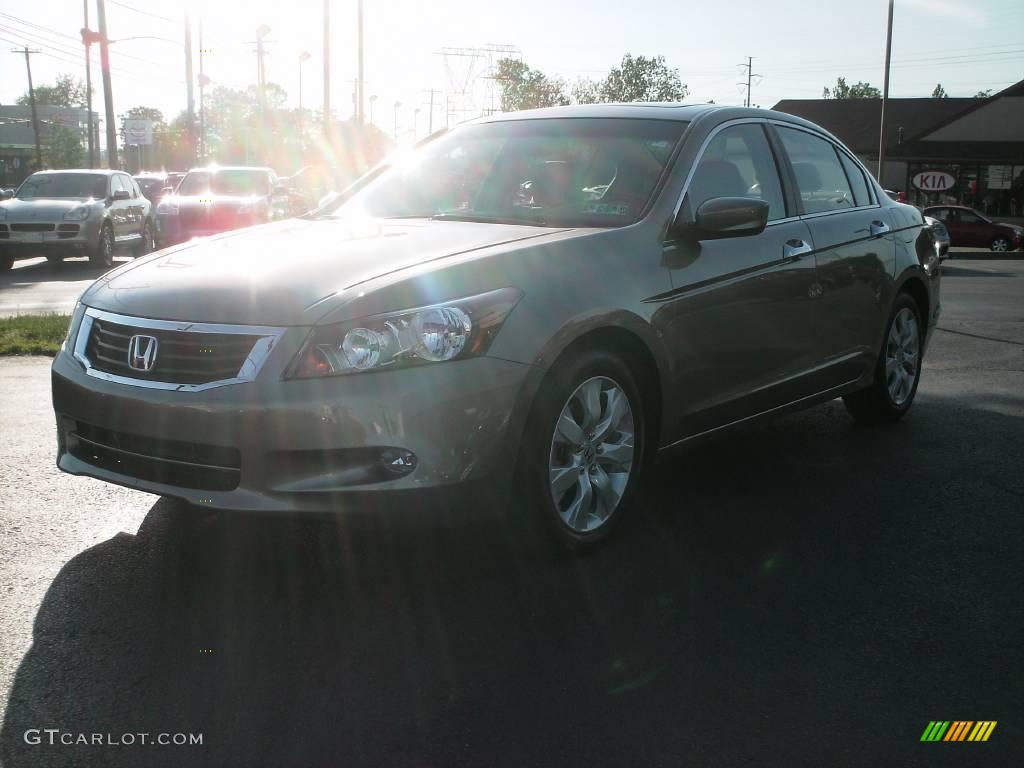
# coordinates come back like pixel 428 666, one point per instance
pixel 858 183
pixel 820 178
pixel 116 185
pixel 738 162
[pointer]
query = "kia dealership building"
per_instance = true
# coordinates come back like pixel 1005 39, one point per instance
pixel 966 151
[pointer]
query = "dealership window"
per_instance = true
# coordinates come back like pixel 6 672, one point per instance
pixel 994 189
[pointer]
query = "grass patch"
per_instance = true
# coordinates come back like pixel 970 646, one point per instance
pixel 33 334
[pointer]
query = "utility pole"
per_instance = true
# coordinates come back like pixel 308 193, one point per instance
pixel 203 80
pixel 87 41
pixel 108 94
pixel 885 96
pixel 303 58
pixel 361 85
pixel 32 100
pixel 190 93
pixel 749 66
pixel 327 70
pixel 430 114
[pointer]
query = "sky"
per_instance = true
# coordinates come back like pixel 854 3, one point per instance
pixel 799 47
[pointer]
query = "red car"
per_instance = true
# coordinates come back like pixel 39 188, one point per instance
pixel 969 229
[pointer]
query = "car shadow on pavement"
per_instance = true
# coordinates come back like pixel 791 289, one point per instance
pixel 783 591
pixel 41 271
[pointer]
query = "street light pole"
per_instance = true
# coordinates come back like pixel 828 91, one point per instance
pixel 88 85
pixel 303 58
pixel 885 96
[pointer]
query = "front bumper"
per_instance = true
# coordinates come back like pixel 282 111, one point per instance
pixel 25 244
pixel 272 444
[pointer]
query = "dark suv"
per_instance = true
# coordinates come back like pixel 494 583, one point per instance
pixel 75 213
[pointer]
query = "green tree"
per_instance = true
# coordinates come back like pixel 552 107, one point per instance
pixel 637 78
pixel 983 94
pixel 859 90
pixel 523 87
pixel 61 147
pixel 939 92
pixel 68 91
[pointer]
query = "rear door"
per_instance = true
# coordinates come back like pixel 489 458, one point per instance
pixel 976 232
pixel 742 318
pixel 854 249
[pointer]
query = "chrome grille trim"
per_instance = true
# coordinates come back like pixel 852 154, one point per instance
pixel 248 371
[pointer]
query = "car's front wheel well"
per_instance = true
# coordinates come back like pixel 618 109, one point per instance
pixel 917 291
pixel 632 350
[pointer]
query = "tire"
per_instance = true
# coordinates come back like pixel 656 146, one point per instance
pixel 148 244
pixel 892 392
pixel 1001 244
pixel 6 262
pixel 103 254
pixel 566 477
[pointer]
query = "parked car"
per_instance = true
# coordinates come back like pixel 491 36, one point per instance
pixel 216 199
pixel 308 186
pixel 156 185
pixel 532 308
pixel 970 229
pixel 941 236
pixel 75 213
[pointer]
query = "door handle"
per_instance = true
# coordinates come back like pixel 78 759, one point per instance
pixel 794 249
pixel 879 228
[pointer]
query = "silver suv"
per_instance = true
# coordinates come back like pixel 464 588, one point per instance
pixel 75 213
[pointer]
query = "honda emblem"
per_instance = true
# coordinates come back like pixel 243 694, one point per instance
pixel 142 353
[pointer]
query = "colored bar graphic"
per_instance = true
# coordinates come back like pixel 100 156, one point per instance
pixel 958 730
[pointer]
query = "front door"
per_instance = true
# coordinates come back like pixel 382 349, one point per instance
pixel 742 316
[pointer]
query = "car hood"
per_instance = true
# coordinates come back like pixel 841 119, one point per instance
pixel 40 208
pixel 189 201
pixel 286 273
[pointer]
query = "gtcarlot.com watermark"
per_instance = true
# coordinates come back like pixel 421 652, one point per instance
pixel 55 736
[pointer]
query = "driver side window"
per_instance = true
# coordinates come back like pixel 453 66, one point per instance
pixel 738 163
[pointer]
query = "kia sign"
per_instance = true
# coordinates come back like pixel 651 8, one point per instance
pixel 933 181
pixel 137 131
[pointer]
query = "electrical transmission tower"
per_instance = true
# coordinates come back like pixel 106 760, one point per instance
pixel 471 82
pixel 749 66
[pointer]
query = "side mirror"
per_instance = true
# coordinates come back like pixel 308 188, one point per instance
pixel 120 194
pixel 722 217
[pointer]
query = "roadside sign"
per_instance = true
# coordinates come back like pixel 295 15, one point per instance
pixel 933 181
pixel 138 131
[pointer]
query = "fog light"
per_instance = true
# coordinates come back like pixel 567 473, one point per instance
pixel 398 461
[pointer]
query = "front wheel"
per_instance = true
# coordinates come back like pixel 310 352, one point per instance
pixel 898 370
pixel 1001 244
pixel 582 451
pixel 103 254
pixel 148 243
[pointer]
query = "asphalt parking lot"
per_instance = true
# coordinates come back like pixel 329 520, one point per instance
pixel 801 592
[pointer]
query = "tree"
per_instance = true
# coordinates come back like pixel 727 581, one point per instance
pixel 637 78
pixel 62 147
pixel 859 90
pixel 939 92
pixel 983 94
pixel 68 91
pixel 523 87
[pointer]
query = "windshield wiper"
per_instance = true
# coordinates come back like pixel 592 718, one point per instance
pixel 485 219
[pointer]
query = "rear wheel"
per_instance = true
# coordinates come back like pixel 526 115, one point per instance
pixel 1001 244
pixel 6 262
pixel 103 254
pixel 898 370
pixel 582 451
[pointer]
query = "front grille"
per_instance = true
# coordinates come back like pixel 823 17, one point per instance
pixel 210 217
pixel 33 227
pixel 182 357
pixel 171 462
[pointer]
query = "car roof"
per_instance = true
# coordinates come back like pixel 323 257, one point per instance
pixel 99 171
pixel 216 168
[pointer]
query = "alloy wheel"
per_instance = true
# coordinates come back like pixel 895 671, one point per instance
pixel 1000 245
pixel 591 455
pixel 902 356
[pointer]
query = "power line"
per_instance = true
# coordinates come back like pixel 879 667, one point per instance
pixel 52 33
pixel 139 10
pixel 749 66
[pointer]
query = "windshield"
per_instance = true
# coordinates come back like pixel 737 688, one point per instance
pixel 549 172
pixel 150 186
pixel 76 185
pixel 227 182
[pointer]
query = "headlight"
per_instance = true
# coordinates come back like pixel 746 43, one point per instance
pixel 73 326
pixel 433 334
pixel 168 207
pixel 81 213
